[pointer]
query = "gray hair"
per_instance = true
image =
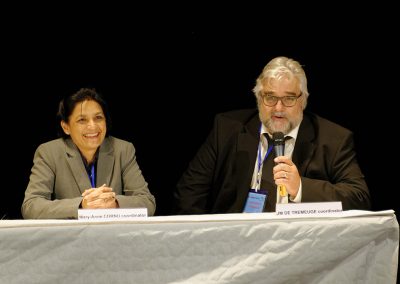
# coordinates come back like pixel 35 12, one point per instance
pixel 278 68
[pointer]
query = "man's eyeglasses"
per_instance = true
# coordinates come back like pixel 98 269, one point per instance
pixel 287 101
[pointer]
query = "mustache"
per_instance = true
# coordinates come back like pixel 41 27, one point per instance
pixel 278 113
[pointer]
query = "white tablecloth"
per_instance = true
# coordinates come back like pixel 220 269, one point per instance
pixel 231 248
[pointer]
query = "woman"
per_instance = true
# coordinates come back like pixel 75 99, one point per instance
pixel 85 168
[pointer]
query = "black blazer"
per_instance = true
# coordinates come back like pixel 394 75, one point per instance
pixel 218 178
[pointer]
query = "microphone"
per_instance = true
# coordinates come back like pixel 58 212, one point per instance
pixel 279 143
pixel 278 140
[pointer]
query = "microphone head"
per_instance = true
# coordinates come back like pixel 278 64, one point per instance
pixel 278 138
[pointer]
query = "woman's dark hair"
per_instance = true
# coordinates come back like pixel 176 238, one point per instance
pixel 67 105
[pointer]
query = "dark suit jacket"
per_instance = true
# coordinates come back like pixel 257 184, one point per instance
pixel 59 178
pixel 218 178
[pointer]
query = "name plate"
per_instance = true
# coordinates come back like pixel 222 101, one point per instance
pixel 111 214
pixel 308 209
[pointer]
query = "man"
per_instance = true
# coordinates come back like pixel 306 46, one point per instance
pixel 234 167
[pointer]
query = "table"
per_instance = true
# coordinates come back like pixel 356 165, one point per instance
pixel 350 247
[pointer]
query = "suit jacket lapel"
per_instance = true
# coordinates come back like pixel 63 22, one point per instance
pixel 304 147
pixel 105 163
pixel 248 141
pixel 76 166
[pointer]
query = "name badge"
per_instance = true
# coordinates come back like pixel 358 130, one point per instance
pixel 255 201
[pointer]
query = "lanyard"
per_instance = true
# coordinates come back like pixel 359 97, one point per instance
pixel 261 162
pixel 92 177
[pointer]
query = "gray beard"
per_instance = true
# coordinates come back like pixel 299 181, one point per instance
pixel 286 128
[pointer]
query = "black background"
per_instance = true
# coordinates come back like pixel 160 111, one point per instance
pixel 166 71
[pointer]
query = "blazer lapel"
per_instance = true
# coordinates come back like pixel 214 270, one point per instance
pixel 105 163
pixel 76 166
pixel 248 141
pixel 304 147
